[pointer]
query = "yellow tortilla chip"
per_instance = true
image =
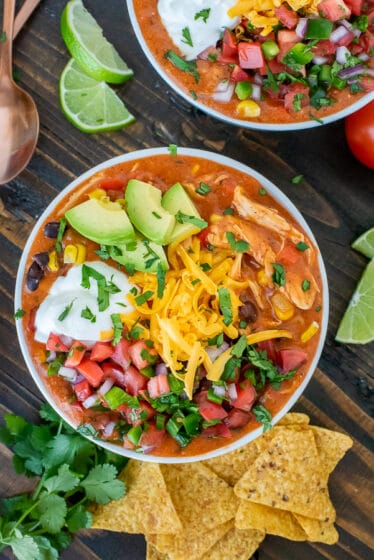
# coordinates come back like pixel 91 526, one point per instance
pixel 232 466
pixel 318 531
pixel 154 554
pixel 331 446
pixel 236 544
pixel 146 507
pixel 294 418
pixel 271 520
pixel 202 499
pixel 191 544
pixel 288 475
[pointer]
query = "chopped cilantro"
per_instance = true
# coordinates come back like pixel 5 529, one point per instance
pixel 216 340
pixel 305 285
pixel 60 233
pixel 318 308
pixel 188 66
pixel 193 94
pixel 239 246
pixel 205 267
pixel 279 275
pixel 194 220
pixel 203 189
pixel 156 215
pixel 212 57
pixel 187 39
pixel 301 246
pixel 87 314
pixel 297 101
pixel 262 191
pixel 263 415
pixel 19 314
pixel 195 281
pixel 297 179
pixel 2 37
pixel 142 298
pixel 134 291
pixel 160 281
pixel 224 300
pixel 228 211
pixel 243 324
pixel 173 149
pixel 117 328
pixel 66 311
pixel 203 14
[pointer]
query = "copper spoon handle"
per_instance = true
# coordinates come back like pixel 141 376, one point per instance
pixel 6 51
pixel 23 15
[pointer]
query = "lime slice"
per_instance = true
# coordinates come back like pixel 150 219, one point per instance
pixel 365 243
pixel 86 43
pixel 357 325
pixel 90 105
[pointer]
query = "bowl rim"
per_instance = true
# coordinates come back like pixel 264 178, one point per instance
pixel 275 127
pixel 276 193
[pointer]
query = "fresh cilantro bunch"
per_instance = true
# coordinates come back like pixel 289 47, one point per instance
pixel 73 474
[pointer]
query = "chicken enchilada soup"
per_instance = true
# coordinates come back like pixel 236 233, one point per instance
pixel 171 304
pixel 264 61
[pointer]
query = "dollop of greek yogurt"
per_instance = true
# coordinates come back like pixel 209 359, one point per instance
pixel 61 311
pixel 195 25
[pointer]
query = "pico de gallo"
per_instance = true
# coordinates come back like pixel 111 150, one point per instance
pixel 176 340
pixel 273 62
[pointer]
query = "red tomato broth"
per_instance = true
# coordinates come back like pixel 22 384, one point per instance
pixel 159 42
pixel 163 171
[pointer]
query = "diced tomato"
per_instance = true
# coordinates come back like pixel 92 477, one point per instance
pixel 250 55
pixel 334 10
pixel 54 344
pixel 219 430
pixel 134 381
pixel 287 16
pixel 139 352
pixel 203 236
pixel 291 358
pixel 355 6
pixel 229 54
pixel 91 371
pixel 137 416
pixel 246 396
pixel 82 390
pixel 290 98
pixel 346 40
pixel 158 385
pixel 112 183
pixel 114 372
pixel 152 438
pixel 31 322
pixel 324 48
pixel 367 83
pixel 212 411
pixel 237 418
pixel 121 354
pixel 101 351
pixel 238 74
pixel 269 347
pixel 286 40
pixel 289 255
pixel 128 445
pixel 76 353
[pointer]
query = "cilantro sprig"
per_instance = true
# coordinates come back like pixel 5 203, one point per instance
pixel 73 474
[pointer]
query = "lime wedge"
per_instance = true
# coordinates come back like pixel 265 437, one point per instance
pixel 90 105
pixel 365 243
pixel 86 43
pixel 357 325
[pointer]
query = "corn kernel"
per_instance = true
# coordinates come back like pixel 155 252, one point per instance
pixel 248 109
pixel 282 306
pixel 310 331
pixel 70 254
pixel 262 279
pixel 106 335
pixel 214 218
pixel 195 168
pixel 97 193
pixel 121 201
pixel 81 254
pixel 53 261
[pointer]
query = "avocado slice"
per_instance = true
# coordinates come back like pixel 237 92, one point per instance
pixel 146 213
pixel 141 254
pixel 177 200
pixel 104 222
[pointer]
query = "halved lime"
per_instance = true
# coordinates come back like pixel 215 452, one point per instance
pixel 365 243
pixel 90 105
pixel 86 43
pixel 357 325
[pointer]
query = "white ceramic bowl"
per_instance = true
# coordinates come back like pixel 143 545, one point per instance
pixel 361 102
pixel 276 193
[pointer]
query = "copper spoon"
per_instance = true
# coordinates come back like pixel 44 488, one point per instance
pixel 19 120
pixel 23 15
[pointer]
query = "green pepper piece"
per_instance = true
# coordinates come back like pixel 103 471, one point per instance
pixel 300 53
pixel 134 434
pixel 192 423
pixel 243 89
pixel 338 83
pixel 116 396
pixel 325 74
pixel 213 397
pixel 319 28
pixel 270 49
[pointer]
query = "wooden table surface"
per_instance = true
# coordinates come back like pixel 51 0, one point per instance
pixel 336 197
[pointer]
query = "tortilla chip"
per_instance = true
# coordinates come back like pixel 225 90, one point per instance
pixel 331 446
pixel 271 520
pixel 191 544
pixel 232 466
pixel 202 499
pixel 146 507
pixel 288 475
pixel 238 545
pixel 294 418
pixel 154 554
pixel 318 531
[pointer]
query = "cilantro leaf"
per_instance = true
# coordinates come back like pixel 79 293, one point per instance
pixel 203 14
pixel 70 449
pixel 279 276
pixel 78 518
pixel 239 246
pixel 188 66
pixel 160 281
pixel 101 484
pixel 52 512
pixel 194 220
pixel 187 39
pixel 224 300
pixel 64 481
pixel 46 549
pixel 263 415
pixel 24 547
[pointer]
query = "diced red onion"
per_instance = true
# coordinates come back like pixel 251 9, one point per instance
pixel 219 390
pixel 352 81
pixel 256 92
pixel 52 356
pixel 91 401
pixel 108 430
pixel 339 33
pixel 369 72
pixel 147 448
pixel 68 373
pixel 161 369
pixel 224 91
pixel 78 379
pixel 356 32
pixel 67 340
pixel 319 60
pixel 231 389
pixel 108 384
pixel 301 27
pixel 89 344
pixel 346 24
pixel 350 72
pixel 363 56
pixel 258 79
pixel 341 54
pixel 215 351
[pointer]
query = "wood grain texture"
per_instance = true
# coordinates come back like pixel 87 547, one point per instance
pixel 336 198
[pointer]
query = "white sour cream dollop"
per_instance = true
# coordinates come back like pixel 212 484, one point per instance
pixel 177 15
pixel 66 291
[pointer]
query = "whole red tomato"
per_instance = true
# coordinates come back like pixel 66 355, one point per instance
pixel 359 131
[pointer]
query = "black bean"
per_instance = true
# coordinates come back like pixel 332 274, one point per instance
pixel 51 229
pixel 248 312
pixel 34 275
pixel 41 259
